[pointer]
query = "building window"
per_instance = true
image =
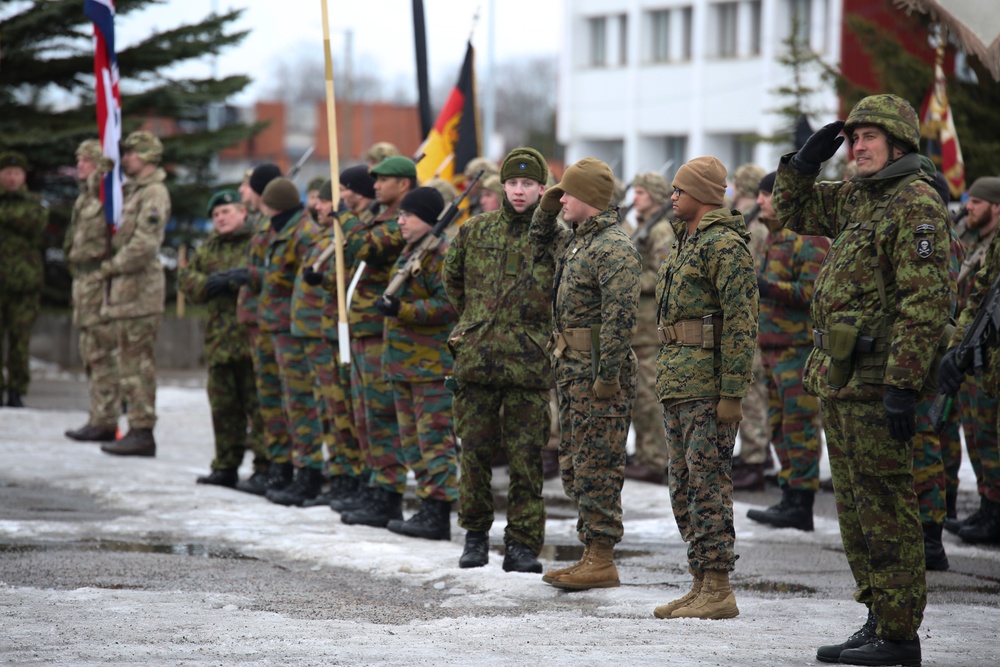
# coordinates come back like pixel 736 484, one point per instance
pixel 742 150
pixel 622 39
pixel 685 15
pixel 659 25
pixel 724 25
pixel 598 41
pixel 754 46
pixel 800 19
pixel 676 152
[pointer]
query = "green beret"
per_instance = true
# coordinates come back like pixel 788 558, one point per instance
pixel 223 197
pixel 397 165
pixel 524 163
pixel 315 184
pixel 13 159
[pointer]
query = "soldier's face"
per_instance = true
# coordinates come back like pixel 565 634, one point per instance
pixel 685 206
pixel 764 201
pixel 312 196
pixel 354 201
pixel 489 201
pixel 871 150
pixel 11 178
pixel 227 218
pixel 575 210
pixel 642 200
pixel 522 193
pixel 390 189
pixel 84 167
pixel 324 208
pixel 412 227
pixel 981 212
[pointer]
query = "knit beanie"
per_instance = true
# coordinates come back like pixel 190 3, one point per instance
pixel 704 178
pixel 986 187
pixel 767 183
pixel 357 179
pixel 655 184
pixel 281 195
pixel 590 181
pixel 424 202
pixel 524 163
pixel 326 191
pixel 263 175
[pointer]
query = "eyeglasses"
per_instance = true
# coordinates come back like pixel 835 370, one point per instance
pixel 678 192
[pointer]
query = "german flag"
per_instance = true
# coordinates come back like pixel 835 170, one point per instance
pixel 454 139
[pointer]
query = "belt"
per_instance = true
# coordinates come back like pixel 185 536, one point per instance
pixel 821 339
pixel 692 333
pixel 574 339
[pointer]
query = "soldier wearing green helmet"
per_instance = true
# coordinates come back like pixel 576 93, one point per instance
pixel 880 309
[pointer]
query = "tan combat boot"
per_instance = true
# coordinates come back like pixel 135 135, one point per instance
pixel 715 601
pixel 665 610
pixel 552 575
pixel 596 571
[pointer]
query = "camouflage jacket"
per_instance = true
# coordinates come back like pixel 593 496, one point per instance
pixel 275 280
pixel 971 241
pixel 22 227
pixel 597 282
pixel 654 239
pixel 246 303
pixel 981 283
pixel 226 338
pixel 331 313
pixel 909 249
pixel 309 301
pixel 416 340
pixel 86 246
pixel 503 294
pixel 377 244
pixel 711 273
pixel 786 272
pixel 138 286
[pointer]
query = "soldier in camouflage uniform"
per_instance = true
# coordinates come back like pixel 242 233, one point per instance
pixel 232 389
pixel 503 294
pixel 135 298
pixel 707 296
pixel 22 222
pixel 490 170
pixel 880 307
pixel 594 319
pixel 312 197
pixel 88 239
pixel 491 197
pixel 415 360
pixel 654 239
pixel 786 273
pixel 380 151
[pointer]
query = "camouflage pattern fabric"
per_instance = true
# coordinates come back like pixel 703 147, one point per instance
pixel 17 317
pixel 137 368
pixel 427 440
pixel 260 237
pixel 346 457
pixel 232 395
pixel 754 432
pixel 277 433
pixel 793 416
pixel 979 422
pixel 929 482
pixel 699 476
pixel 299 402
pixel 319 359
pixel 99 352
pixel 275 280
pixel 377 243
pixel 375 416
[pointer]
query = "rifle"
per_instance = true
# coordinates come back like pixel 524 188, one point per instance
pixel 428 244
pixel 982 333
pixel 297 167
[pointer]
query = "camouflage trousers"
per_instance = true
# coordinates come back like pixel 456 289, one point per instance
pixel 319 358
pixel 335 385
pixel 877 508
pixel 928 468
pixel 236 422
pixel 272 412
pixel 17 316
pixel 592 455
pixel 699 476
pixel 979 424
pixel 99 352
pixel 489 419
pixel 427 440
pixel 755 440
pixel 647 413
pixel 299 402
pixel 137 368
pixel 375 416
pixel 793 418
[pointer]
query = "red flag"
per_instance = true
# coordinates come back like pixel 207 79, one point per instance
pixel 938 127
pixel 109 106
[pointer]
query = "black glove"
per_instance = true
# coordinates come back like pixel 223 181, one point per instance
pixel 217 284
pixel 387 305
pixel 950 376
pixel 312 276
pixel 819 148
pixel 239 276
pixel 901 413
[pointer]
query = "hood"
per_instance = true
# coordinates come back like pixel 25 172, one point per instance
pixel 606 218
pixel 904 166
pixel 717 217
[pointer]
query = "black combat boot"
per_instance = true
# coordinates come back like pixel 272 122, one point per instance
pixel 934 556
pixel 987 529
pixel 519 558
pixel 884 652
pixel 383 506
pixel 137 442
pixel 349 502
pixel 220 478
pixel 951 504
pixel 477 549
pixel 14 399
pixel 339 487
pixel 794 511
pixel 431 522
pixel 305 484
pixel 89 433
pixel 954 526
pixel 831 652
pixel 255 483
pixel 279 475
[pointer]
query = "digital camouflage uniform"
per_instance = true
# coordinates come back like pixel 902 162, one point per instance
pixel 232 389
pixel 597 285
pixel 22 223
pixel 754 430
pixel 86 246
pixel 138 288
pixel 503 295
pixel 873 473
pixel 415 360
pixel 711 274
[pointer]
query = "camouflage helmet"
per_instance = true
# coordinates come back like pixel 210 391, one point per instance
pixel 746 178
pixel 92 150
pixel 488 166
pixel 655 184
pixel 146 145
pixel 894 115
pixel 617 193
pixel 380 151
pixel 448 191
pixel 493 184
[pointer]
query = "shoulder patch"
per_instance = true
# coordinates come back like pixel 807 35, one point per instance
pixel 924 248
pixel 925 228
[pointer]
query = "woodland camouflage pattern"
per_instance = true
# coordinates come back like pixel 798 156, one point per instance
pixel 376 243
pixel 246 305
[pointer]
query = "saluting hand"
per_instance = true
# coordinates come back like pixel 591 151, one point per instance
pixel 819 148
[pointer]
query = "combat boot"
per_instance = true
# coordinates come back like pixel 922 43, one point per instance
pixel 279 475
pixel 987 529
pixel 137 442
pixel 954 526
pixel 951 504
pixel 552 575
pixel 714 601
pixel 666 610
pixel 642 473
pixel 226 477
pixel 518 557
pixel 597 571
pixel 89 433
pixel 383 506
pixel 14 399
pixel 477 549
pixel 748 477
pixel 934 556
pixel 794 511
pixel 352 501
pixel 831 652
pixel 880 651
pixel 255 483
pixel 431 522
pixel 333 490
pixel 305 484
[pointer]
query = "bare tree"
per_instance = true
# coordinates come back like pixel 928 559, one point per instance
pixel 525 99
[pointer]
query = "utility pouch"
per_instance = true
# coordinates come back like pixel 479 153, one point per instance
pixel 842 340
pixel 707 332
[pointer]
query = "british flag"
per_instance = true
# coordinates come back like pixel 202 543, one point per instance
pixel 109 107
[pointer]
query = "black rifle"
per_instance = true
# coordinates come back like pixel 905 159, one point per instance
pixel 429 243
pixel 981 334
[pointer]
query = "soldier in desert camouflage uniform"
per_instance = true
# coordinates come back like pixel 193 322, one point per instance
pixel 880 307
pixel 380 151
pixel 595 304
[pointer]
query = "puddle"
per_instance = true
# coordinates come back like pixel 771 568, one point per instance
pixel 574 552
pixel 782 587
pixel 181 548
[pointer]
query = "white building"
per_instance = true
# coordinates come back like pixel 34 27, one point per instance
pixel 644 82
